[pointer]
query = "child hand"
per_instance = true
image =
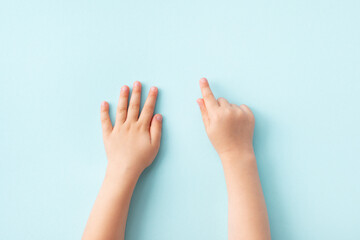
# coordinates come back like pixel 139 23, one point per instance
pixel 132 144
pixel 229 127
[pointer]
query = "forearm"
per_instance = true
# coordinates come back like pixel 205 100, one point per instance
pixel 108 216
pixel 247 213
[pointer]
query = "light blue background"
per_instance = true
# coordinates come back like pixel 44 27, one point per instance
pixel 295 63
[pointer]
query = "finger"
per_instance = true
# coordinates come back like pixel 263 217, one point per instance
pixel 149 106
pixel 155 129
pixel 223 102
pixel 105 118
pixel 134 105
pixel 246 109
pixel 121 111
pixel 204 113
pixel 207 94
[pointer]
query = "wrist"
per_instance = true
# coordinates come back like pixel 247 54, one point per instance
pixel 237 152
pixel 121 174
pixel 238 156
pixel 118 185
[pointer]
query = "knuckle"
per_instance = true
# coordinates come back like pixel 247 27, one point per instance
pixel 208 93
pixel 239 113
pixel 227 112
pixel 245 107
pixel 149 108
pixel 103 119
pixel 126 126
pixel 139 126
pixel 144 127
pixel 135 106
pixel 121 109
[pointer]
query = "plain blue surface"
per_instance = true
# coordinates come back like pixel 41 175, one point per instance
pixel 295 63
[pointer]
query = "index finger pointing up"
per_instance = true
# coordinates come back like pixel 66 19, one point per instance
pixel 208 96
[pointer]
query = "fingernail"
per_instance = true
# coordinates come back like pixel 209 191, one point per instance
pixel 203 80
pixel 153 89
pixel 124 88
pixel 136 84
pixel 103 105
pixel 199 101
pixel 159 118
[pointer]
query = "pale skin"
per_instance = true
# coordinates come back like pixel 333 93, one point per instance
pixel 131 145
pixel 230 129
pixel 133 142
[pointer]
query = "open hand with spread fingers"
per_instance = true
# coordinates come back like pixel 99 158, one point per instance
pixel 131 145
pixel 134 141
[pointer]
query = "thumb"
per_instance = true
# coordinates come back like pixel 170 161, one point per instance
pixel 155 129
